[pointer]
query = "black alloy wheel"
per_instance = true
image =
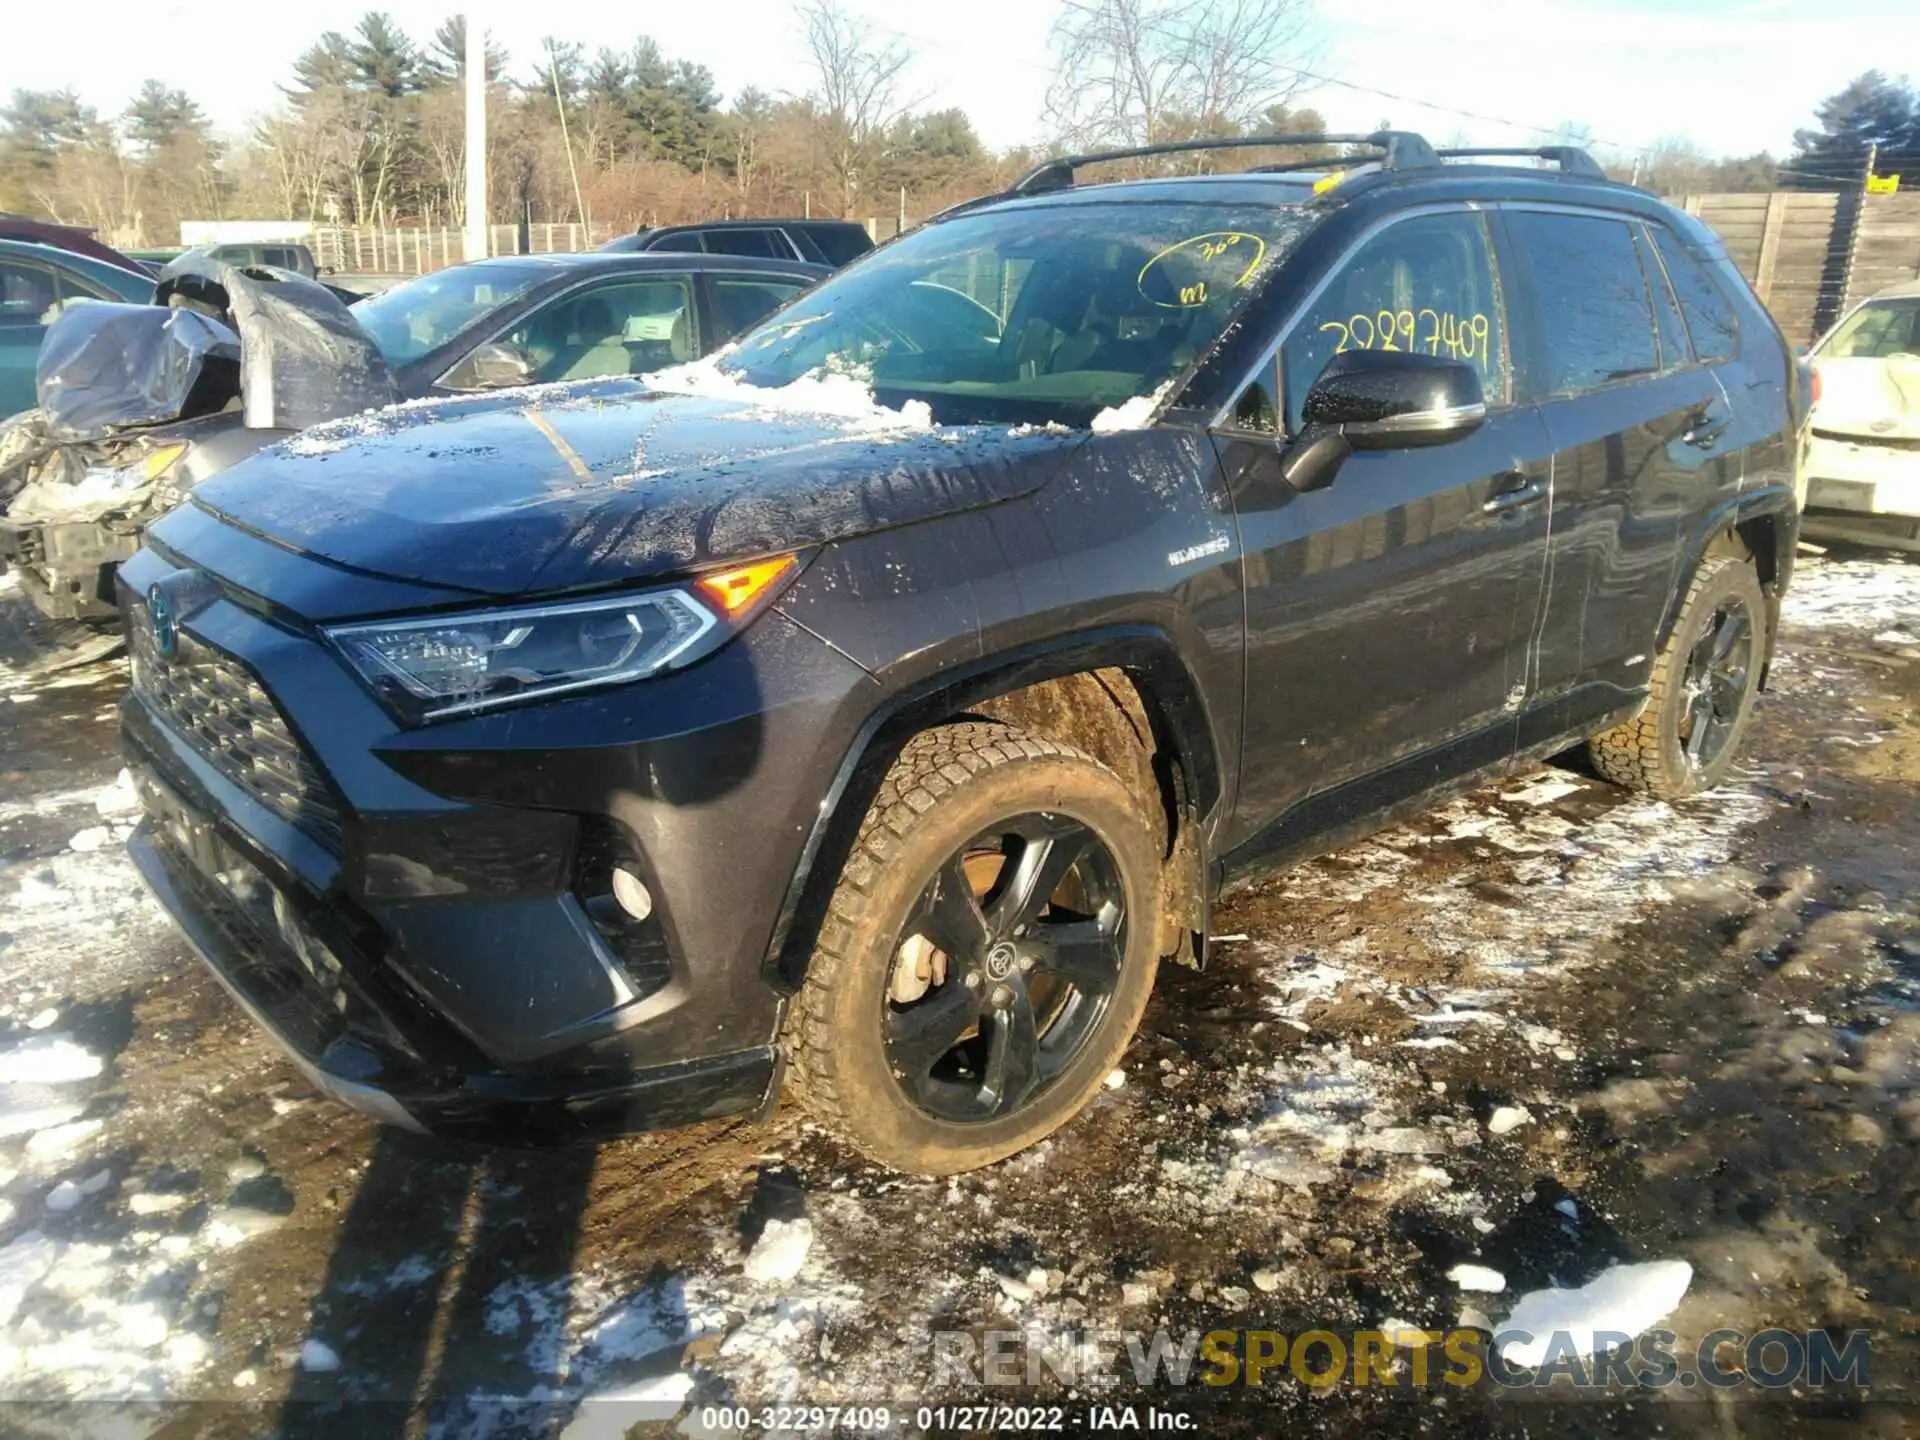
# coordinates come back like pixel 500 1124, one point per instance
pixel 1719 673
pixel 1019 939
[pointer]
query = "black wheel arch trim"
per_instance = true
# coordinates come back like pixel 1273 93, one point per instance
pixel 1178 715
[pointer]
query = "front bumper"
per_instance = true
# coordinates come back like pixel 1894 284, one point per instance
pixel 272 959
pixel 411 913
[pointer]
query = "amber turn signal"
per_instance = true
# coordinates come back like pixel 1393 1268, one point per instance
pixel 734 590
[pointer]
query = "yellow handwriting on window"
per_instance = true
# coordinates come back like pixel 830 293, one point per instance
pixel 1187 273
pixel 1423 332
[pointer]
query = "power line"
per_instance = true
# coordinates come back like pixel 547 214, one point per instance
pixel 1454 109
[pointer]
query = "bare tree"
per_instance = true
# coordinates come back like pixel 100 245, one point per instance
pixel 857 90
pixel 1136 72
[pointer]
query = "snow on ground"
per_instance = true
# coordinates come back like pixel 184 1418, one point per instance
pixel 1621 1300
pixel 1876 592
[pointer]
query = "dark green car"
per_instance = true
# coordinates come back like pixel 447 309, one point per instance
pixel 36 283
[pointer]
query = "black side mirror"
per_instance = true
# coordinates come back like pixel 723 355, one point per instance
pixel 1380 400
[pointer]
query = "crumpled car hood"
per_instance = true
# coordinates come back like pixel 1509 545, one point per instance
pixel 1869 398
pixel 561 487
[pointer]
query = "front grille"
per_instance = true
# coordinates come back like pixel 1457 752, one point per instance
pixel 210 701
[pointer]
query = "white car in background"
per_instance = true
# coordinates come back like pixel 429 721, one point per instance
pixel 1863 467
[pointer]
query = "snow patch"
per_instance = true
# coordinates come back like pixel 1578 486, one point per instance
pixel 1478 1277
pixel 839 396
pixel 47 1060
pixel 780 1251
pixel 1623 1299
pixel 1134 414
pixel 1506 1118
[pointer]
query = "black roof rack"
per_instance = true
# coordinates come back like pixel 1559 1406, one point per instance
pixel 1399 150
pixel 1571 159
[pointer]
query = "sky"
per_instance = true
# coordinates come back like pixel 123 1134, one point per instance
pixel 1734 76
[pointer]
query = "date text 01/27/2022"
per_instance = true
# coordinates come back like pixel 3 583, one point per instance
pixel 997 1419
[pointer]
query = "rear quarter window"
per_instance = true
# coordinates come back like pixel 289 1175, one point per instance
pixel 1709 314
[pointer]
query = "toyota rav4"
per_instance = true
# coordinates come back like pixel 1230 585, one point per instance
pixel 868 711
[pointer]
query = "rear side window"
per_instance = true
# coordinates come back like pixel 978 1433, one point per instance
pixel 688 242
pixel 1594 306
pixel 1709 315
pixel 1426 285
pixel 841 244
pixel 767 244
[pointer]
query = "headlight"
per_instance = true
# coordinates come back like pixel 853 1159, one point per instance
pixel 457 664
pixel 131 474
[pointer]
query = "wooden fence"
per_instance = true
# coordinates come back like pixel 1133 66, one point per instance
pixel 1809 256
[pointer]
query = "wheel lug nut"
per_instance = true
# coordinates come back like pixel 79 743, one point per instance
pixel 973 982
pixel 1026 962
pixel 1001 995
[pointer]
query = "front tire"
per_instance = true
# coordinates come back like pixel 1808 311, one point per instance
pixel 1704 685
pixel 987 953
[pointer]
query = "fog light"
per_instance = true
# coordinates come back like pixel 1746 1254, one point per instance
pixel 631 893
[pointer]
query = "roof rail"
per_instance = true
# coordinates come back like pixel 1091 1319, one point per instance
pixel 1571 159
pixel 1399 150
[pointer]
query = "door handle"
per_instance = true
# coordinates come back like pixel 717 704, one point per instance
pixel 1709 424
pixel 1518 498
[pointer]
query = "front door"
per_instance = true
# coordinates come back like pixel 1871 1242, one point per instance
pixel 1387 615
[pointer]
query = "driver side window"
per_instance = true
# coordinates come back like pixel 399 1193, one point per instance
pixel 1425 285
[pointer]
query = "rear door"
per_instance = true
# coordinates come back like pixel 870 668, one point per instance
pixel 1387 614
pixel 1639 444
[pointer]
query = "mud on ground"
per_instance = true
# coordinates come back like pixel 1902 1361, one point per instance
pixel 1546 1028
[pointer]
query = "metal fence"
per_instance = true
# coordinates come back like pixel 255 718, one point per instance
pixel 414 250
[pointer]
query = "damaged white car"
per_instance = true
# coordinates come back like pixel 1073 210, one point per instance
pixel 138 403
pixel 1863 469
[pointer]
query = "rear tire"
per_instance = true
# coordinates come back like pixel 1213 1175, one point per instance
pixel 1704 684
pixel 953 1013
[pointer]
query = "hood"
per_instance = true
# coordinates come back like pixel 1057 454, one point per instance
pixel 561 487
pixel 303 357
pixel 1868 398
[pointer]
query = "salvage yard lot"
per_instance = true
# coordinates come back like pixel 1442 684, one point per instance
pixel 1698 1026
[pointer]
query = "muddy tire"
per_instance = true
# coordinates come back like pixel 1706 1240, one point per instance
pixel 1704 683
pixel 986 955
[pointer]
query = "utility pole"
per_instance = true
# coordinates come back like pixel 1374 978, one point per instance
pixel 476 138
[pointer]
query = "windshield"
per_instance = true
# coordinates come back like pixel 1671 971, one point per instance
pixel 1878 330
pixel 1049 312
pixel 417 317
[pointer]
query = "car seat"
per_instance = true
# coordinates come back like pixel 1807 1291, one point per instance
pixel 595 345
